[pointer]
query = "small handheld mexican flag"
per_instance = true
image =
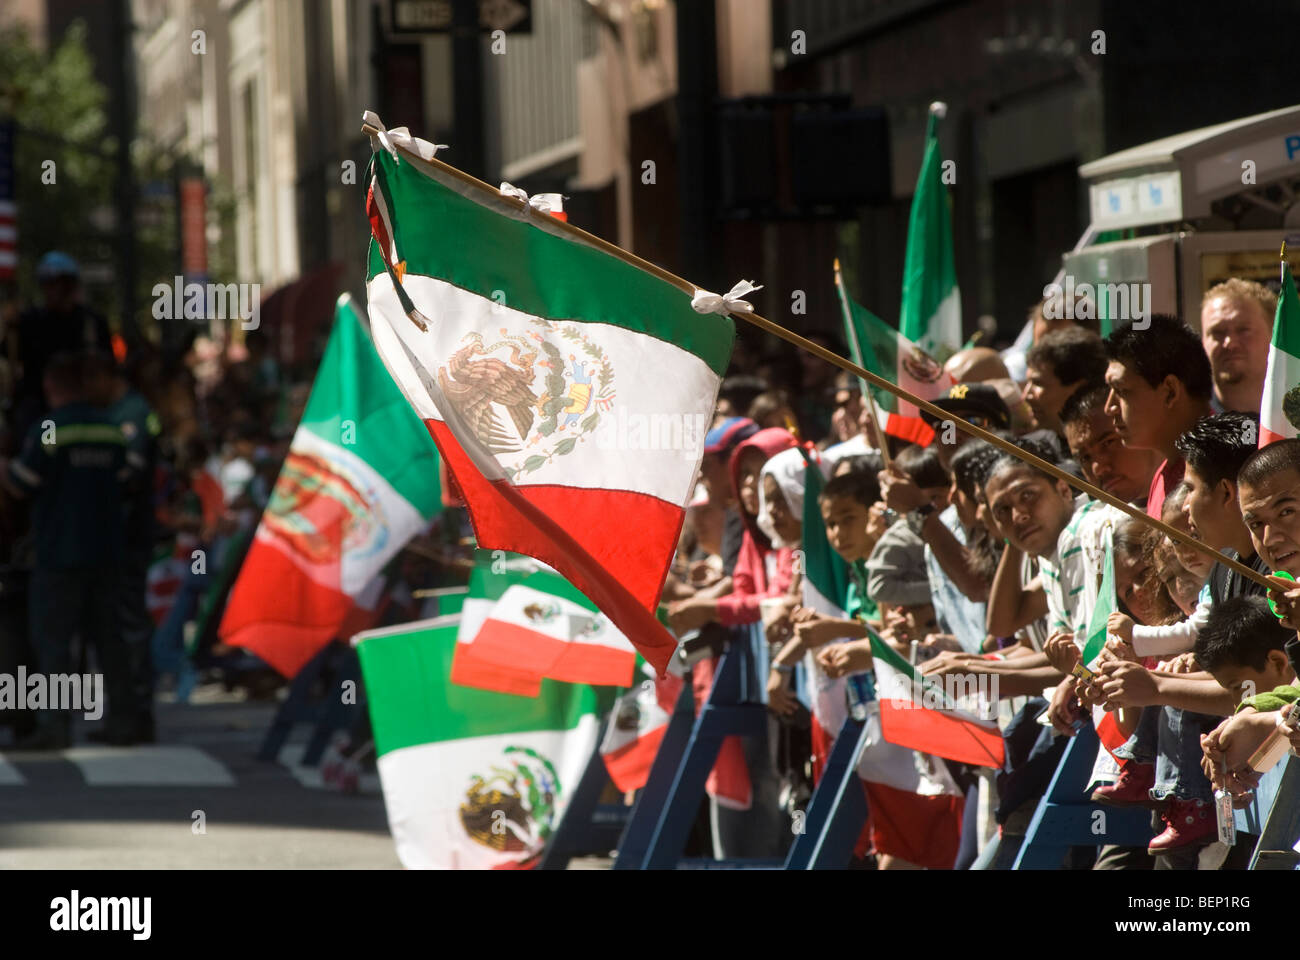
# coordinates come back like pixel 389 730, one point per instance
pixel 1279 412
pixel 1106 722
pixel 916 712
pixel 931 310
pixel 360 480
pixel 878 347
pixel 471 779
pixel 523 620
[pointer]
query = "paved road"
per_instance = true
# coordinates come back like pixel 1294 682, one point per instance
pixel 104 807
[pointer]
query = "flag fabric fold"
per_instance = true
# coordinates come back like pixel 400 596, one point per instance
pixel 878 347
pixel 360 479
pixel 545 368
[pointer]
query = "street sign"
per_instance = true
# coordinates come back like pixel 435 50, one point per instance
pixel 439 16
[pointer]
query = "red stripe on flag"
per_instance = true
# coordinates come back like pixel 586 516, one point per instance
pixel 912 429
pixel 922 830
pixel 1112 738
pixel 1267 436
pixel 306 615
pixel 468 670
pixel 510 644
pixel 906 724
pixel 629 765
pixel 613 545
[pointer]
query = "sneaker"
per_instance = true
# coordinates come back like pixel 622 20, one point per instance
pixel 1186 822
pixel 1132 789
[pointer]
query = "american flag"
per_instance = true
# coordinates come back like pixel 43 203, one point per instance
pixel 8 211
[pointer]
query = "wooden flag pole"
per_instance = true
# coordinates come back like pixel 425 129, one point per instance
pixel 979 433
pixel 867 396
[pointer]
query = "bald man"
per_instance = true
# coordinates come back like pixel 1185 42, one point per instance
pixel 975 365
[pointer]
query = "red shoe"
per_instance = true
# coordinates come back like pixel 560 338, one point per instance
pixel 1187 822
pixel 1132 789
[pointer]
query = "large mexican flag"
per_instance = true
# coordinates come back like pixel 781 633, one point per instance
pixel 360 480
pixel 471 779
pixel 878 347
pixel 1279 414
pixel 540 363
pixel 931 311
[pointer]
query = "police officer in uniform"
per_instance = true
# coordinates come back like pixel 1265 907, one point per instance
pixel 72 465
pixel 109 390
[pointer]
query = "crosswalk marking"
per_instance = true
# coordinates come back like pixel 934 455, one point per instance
pixel 148 766
pixel 169 766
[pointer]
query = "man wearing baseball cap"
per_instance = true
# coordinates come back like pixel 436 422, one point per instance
pixel 62 324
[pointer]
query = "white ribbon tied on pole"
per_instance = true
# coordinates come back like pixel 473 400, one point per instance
pixel 538 203
pixel 390 140
pixel 725 303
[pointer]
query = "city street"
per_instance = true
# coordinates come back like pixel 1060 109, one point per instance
pixel 104 807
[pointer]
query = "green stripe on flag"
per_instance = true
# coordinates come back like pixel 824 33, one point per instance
pixel 441 233
pixel 929 272
pixel 824 568
pixel 412 700
pixel 1105 606
pixel 874 344
pixel 356 405
pixel 881 650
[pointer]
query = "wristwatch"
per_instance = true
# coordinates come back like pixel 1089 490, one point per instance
pixel 916 518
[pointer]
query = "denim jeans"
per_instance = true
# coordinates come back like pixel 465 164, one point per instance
pixel 1178 763
pixel 1143 745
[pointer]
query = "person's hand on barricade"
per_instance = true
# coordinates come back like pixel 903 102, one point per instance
pixel 1063 709
pixel 1061 652
pixel 1126 684
pixel 1292 735
pixel 819 632
pixel 948 662
pixel 943 642
pixel 780 698
pixel 1090 694
pixel 1183 663
pixel 841 659
pixel 1228 748
pixel 687 615
pixel 1117 649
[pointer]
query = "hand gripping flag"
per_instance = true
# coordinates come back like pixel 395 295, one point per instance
pixel 568 390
